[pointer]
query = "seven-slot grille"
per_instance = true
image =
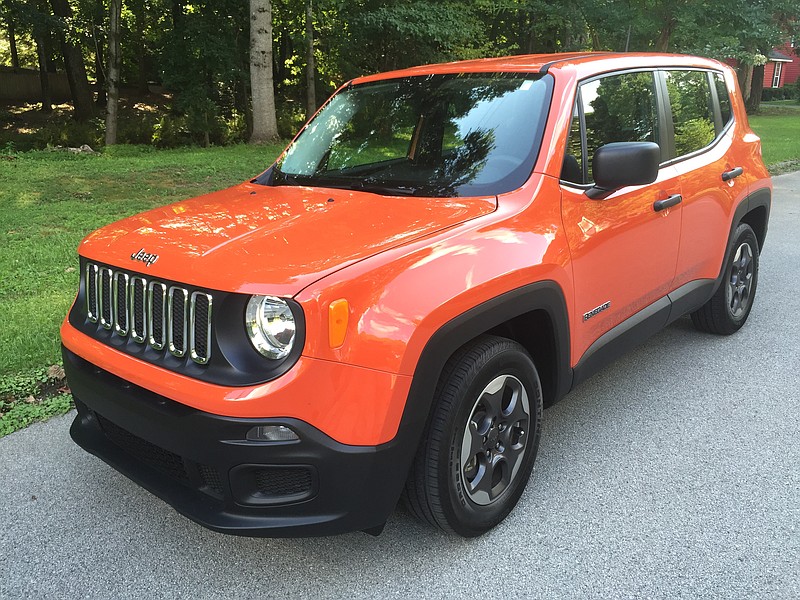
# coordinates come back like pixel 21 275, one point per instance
pixel 149 311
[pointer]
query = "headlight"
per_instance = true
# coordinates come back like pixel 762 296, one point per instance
pixel 270 324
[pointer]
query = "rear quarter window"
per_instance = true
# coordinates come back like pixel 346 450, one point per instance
pixel 724 98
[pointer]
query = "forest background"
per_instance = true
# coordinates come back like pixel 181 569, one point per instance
pixel 179 72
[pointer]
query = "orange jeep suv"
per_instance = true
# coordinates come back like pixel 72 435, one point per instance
pixel 384 312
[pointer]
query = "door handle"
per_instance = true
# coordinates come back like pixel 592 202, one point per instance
pixel 733 173
pixel 667 202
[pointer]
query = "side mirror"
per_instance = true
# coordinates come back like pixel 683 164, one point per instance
pixel 621 164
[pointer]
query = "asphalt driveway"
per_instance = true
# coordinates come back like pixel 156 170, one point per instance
pixel 673 473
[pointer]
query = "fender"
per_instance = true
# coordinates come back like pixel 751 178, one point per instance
pixel 761 198
pixel 542 295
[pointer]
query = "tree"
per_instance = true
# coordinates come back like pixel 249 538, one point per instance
pixel 112 81
pixel 41 36
pixel 138 9
pixel 73 63
pixel 7 10
pixel 265 123
pixel 311 90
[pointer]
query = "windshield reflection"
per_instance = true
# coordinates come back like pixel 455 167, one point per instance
pixel 436 135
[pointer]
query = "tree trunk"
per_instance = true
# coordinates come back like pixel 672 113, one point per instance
pixel 596 45
pixel 75 67
pixel 114 15
pixel 265 124
pixel 662 43
pixel 176 11
pixel 46 31
pixel 140 18
pixel 753 103
pixel 242 101
pixel 99 72
pixel 311 90
pixel 99 57
pixel 42 53
pixel 746 80
pixel 43 39
pixel 12 41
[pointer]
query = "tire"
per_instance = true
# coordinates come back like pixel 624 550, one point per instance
pixel 478 450
pixel 730 306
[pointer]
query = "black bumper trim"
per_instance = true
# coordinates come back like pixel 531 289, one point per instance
pixel 355 487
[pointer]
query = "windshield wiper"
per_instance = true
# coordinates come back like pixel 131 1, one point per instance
pixel 348 183
pixel 385 189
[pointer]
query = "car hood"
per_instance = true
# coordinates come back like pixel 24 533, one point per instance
pixel 257 239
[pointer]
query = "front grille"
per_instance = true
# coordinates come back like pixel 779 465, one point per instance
pixel 211 479
pixel 156 457
pixel 121 320
pixel 150 312
pixel 277 482
pixel 170 464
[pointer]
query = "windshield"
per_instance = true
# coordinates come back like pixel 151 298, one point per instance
pixel 435 135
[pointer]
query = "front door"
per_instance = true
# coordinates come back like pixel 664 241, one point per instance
pixel 624 251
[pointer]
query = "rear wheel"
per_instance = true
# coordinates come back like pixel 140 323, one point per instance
pixel 481 443
pixel 730 306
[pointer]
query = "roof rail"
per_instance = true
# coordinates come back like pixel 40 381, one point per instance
pixel 546 66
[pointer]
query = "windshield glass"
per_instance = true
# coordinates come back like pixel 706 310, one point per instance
pixel 436 135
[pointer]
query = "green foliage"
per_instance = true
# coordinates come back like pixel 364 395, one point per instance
pixel 171 131
pixel 31 396
pixel 769 94
pixel 198 51
pixel 789 92
pixel 22 414
pixel 199 127
pixel 71 133
pixel 204 63
pixel 21 385
pixel 136 128
pixel 692 135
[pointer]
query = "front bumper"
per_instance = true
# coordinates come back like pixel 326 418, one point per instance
pixel 204 467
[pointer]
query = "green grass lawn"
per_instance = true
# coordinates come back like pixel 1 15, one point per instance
pixel 48 202
pixel 778 126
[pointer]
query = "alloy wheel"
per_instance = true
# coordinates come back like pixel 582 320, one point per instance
pixel 740 281
pixel 494 439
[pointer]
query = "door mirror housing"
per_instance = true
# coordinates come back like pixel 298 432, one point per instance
pixel 621 164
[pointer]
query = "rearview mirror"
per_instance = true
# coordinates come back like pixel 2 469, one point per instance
pixel 621 164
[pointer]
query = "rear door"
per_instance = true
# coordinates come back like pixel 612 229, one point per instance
pixel 624 252
pixel 701 137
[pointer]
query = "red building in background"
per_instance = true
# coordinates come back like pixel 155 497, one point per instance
pixel 783 66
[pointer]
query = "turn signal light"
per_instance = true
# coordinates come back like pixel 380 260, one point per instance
pixel 338 314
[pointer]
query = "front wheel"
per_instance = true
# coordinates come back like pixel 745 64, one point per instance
pixel 730 306
pixel 481 442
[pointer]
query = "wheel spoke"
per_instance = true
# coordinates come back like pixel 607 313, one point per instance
pixel 516 410
pixel 483 481
pixel 472 444
pixel 504 467
pixel 493 401
pixel 514 453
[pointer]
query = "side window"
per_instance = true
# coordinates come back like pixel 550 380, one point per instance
pixel 692 114
pixel 619 108
pixel 724 98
